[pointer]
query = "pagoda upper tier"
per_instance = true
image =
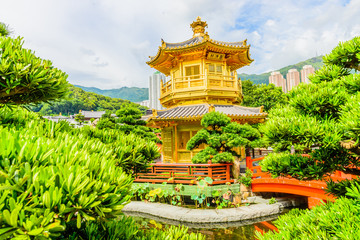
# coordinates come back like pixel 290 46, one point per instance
pixel 201 69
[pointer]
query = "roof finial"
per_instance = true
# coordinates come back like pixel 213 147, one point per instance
pixel 198 27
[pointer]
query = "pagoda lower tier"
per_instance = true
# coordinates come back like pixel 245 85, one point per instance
pixel 180 123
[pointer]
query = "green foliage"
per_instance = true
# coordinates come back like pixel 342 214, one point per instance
pixel 132 153
pixel 50 178
pixel 262 95
pixel 106 121
pixel 4 30
pixel 221 136
pixel 322 120
pixel 128 122
pixel 79 118
pixel 215 121
pixel 323 100
pixel 346 54
pixel 272 201
pixel 246 178
pixel 130 116
pixel 338 220
pixel 174 194
pixel 172 233
pixel 328 73
pixel 339 189
pixel 25 78
pixel 350 119
pixel 78 99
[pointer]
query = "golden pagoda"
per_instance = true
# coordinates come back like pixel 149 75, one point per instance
pixel 202 78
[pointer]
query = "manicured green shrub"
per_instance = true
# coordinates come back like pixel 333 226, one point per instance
pixel 321 119
pixel 221 137
pixel 25 78
pixel 246 178
pixel 338 220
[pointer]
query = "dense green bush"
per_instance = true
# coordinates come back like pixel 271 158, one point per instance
pixel 257 95
pixel 65 183
pixel 25 78
pixel 50 178
pixel 128 122
pixel 221 137
pixel 322 122
pixel 338 220
pixel 321 119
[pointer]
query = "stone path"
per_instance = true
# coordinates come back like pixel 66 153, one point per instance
pixel 181 215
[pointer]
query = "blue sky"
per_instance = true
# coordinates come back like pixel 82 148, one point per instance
pixel 106 43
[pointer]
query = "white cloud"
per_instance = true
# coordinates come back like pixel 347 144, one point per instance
pixel 106 43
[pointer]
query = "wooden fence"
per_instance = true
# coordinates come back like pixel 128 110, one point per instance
pixel 186 173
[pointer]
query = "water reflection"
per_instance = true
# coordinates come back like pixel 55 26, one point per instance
pixel 213 231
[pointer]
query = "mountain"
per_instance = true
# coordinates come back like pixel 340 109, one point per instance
pixel 316 62
pixel 79 99
pixel 133 94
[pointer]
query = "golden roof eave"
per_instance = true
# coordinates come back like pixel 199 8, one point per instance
pixel 239 55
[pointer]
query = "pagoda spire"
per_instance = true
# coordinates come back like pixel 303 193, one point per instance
pixel 198 27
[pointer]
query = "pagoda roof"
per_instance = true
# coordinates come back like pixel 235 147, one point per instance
pixel 236 53
pixel 200 39
pixel 197 111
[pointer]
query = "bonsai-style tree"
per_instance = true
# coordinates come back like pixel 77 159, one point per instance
pixel 129 119
pixel 221 137
pixel 106 121
pixel 79 118
pixel 321 119
pixel 25 78
pixel 130 116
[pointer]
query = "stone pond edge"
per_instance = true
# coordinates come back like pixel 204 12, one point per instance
pixel 206 216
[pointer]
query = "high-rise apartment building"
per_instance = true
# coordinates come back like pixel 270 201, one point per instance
pixel 154 90
pixel 278 80
pixel 293 79
pixel 305 72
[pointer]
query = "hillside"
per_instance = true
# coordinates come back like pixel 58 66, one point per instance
pixel 316 62
pixel 79 99
pixel 133 94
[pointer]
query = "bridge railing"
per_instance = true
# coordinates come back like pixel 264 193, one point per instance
pixel 254 166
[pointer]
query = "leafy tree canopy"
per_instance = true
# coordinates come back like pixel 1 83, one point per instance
pixel 221 137
pixel 262 95
pixel 79 118
pixel 130 116
pixel 25 78
pixel 4 30
pixel 321 119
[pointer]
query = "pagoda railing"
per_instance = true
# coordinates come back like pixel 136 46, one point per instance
pixel 186 173
pixel 199 82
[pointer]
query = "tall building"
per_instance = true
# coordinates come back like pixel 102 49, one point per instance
pixel 293 79
pixel 278 80
pixel 305 72
pixel 145 103
pixel 154 90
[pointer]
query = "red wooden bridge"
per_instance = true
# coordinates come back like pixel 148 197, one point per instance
pixel 221 174
pixel 314 190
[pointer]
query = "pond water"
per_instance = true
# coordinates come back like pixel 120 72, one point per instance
pixel 234 230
